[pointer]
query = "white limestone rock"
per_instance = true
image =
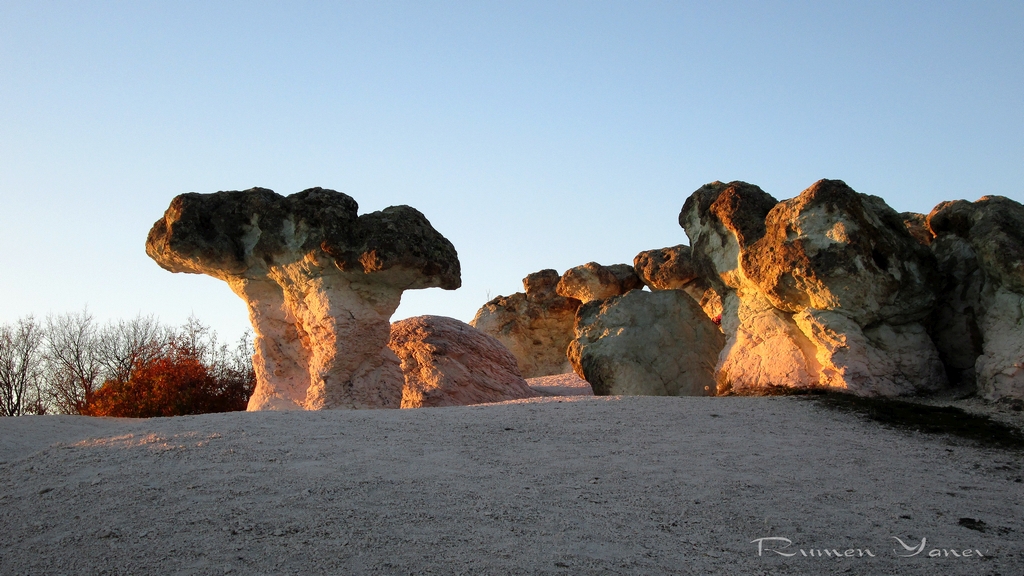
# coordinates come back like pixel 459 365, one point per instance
pixel 592 281
pixel 826 289
pixel 536 326
pixel 646 343
pixel 978 324
pixel 672 269
pixel 320 282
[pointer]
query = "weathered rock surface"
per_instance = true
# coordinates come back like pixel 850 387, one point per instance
pixel 672 269
pixel 978 324
pixel 592 281
pixel 447 362
pixel 536 326
pixel 320 281
pixel 825 289
pixel 917 225
pixel 646 343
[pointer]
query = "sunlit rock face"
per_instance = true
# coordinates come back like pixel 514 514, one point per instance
pixel 592 281
pixel 672 269
pixel 320 282
pixel 646 343
pixel 447 362
pixel 535 325
pixel 826 289
pixel 978 324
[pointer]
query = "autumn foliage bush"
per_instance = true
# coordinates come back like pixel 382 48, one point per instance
pixel 176 383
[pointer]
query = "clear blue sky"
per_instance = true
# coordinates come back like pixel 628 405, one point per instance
pixel 532 135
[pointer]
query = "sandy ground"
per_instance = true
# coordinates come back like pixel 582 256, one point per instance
pixel 561 385
pixel 555 485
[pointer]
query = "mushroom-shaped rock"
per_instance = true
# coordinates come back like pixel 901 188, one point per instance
pixel 672 269
pixel 593 281
pixel 978 324
pixel 646 343
pixel 536 326
pixel 447 362
pixel 320 282
pixel 825 289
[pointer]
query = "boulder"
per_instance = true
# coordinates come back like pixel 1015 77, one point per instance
pixel 320 282
pixel 447 362
pixel 646 343
pixel 593 281
pixel 672 269
pixel 978 323
pixel 826 289
pixel 536 326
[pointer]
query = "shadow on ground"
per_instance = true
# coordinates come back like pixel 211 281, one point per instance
pixel 946 420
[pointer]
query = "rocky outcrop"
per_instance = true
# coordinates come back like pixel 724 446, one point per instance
pixel 536 326
pixel 447 362
pixel 672 269
pixel 320 282
pixel 825 289
pixel 593 281
pixel 646 343
pixel 978 324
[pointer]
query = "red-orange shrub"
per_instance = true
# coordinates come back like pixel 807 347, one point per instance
pixel 175 383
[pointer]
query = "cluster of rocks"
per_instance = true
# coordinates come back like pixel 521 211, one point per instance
pixel 832 289
pixel 596 321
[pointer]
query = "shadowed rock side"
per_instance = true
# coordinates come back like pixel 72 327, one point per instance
pixel 447 362
pixel 320 282
pixel 978 323
pixel 592 281
pixel 672 269
pixel 646 343
pixel 825 289
pixel 536 326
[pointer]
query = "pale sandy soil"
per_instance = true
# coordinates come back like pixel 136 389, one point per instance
pixel 561 385
pixel 573 485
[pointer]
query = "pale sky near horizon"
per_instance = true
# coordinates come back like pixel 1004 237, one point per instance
pixel 531 134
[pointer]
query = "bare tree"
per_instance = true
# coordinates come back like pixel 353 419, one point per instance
pixel 123 346
pixel 72 363
pixel 20 367
pixel 233 363
pixel 196 339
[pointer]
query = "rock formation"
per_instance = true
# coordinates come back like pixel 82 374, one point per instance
pixel 447 362
pixel 672 269
pixel 978 324
pixel 825 289
pixel 646 343
pixel 320 282
pixel 593 281
pixel 536 326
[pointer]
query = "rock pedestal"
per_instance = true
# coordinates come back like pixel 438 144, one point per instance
pixel 320 282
